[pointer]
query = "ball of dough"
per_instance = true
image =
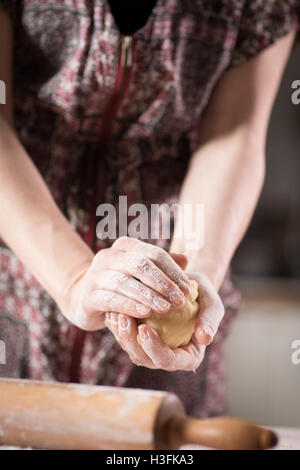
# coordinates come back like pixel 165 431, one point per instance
pixel 176 327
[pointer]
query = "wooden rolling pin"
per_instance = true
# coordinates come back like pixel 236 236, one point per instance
pixel 70 416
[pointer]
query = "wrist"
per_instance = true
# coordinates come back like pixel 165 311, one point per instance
pixel 198 261
pixel 215 273
pixel 69 296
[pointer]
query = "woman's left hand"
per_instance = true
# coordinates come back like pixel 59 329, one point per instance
pixel 153 353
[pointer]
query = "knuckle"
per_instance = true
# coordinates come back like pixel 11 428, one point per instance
pixel 121 241
pixel 129 305
pixel 137 262
pixel 158 254
pixel 99 256
pixel 146 293
pixel 125 282
pixel 102 252
pixel 118 279
pixel 142 263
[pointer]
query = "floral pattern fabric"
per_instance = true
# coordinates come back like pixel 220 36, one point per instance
pixel 66 56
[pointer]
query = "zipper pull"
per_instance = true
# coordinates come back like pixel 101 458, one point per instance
pixel 126 57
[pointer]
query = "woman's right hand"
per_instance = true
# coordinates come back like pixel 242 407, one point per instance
pixel 131 278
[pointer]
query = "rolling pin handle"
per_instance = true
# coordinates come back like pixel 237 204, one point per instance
pixel 219 433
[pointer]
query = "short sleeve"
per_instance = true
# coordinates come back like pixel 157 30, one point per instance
pixel 262 23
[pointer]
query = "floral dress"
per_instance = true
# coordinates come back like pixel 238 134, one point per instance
pixel 103 115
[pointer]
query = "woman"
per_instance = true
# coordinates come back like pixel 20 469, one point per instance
pixel 166 104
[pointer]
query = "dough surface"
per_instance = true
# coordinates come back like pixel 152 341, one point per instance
pixel 176 327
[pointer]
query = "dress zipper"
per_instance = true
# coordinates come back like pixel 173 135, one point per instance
pixel 121 85
pixel 105 132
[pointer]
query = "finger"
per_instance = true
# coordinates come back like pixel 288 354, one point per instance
pixel 197 351
pixel 211 310
pixel 111 323
pixel 128 332
pixel 146 271
pixel 125 331
pixel 104 300
pixel 160 257
pixel 141 268
pixel 128 286
pixel 180 259
pixel 188 358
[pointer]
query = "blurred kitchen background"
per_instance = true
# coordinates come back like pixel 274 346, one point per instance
pixel 263 383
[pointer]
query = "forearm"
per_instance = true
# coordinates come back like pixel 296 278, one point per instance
pixel 226 173
pixel 226 176
pixel 32 225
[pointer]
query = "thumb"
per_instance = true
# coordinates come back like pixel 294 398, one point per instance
pixel 180 259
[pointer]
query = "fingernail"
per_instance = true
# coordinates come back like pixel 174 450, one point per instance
pixel 123 323
pixel 143 309
pixel 144 334
pixel 208 331
pixel 177 299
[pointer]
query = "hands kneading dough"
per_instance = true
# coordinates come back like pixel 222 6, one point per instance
pixel 176 327
pixel 160 337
